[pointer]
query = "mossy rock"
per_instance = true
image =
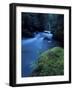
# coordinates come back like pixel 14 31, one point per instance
pixel 50 63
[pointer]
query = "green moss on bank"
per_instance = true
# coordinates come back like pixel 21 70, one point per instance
pixel 50 63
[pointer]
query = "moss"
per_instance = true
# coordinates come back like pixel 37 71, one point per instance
pixel 50 63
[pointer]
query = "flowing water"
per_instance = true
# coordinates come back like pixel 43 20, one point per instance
pixel 32 48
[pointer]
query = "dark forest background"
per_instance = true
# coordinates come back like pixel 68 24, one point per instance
pixel 39 22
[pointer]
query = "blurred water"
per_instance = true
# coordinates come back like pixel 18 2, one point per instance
pixel 31 49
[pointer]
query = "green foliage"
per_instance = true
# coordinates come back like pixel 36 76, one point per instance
pixel 50 63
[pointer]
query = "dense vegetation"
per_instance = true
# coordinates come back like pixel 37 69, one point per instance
pixel 38 22
pixel 33 22
pixel 50 63
pixel 57 27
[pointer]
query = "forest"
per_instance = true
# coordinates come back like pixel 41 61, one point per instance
pixel 45 56
pixel 38 22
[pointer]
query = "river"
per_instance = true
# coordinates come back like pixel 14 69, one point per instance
pixel 31 49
